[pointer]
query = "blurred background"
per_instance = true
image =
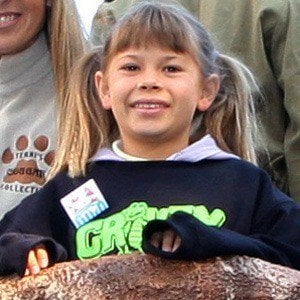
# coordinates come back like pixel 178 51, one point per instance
pixel 87 9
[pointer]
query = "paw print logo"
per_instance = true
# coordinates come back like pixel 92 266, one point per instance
pixel 27 162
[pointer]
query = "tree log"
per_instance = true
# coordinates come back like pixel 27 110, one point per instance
pixel 138 276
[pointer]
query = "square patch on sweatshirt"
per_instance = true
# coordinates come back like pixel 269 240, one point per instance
pixel 84 203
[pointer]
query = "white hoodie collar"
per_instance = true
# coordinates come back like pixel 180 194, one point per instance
pixel 205 148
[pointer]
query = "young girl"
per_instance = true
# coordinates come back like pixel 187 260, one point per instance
pixel 39 42
pixel 268 48
pixel 153 157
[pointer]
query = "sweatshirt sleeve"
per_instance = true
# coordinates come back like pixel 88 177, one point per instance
pixel 274 236
pixel 25 227
pixel 14 249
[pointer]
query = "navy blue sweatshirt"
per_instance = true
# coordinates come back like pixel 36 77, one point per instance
pixel 218 207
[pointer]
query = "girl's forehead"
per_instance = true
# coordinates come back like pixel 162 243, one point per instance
pixel 152 53
pixel 150 50
pixel 176 39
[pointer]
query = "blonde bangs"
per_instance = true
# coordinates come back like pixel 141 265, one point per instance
pixel 151 26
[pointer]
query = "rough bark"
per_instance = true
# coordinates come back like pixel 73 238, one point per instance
pixel 148 277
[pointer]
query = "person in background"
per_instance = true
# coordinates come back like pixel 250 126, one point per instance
pixel 157 156
pixel 265 35
pixel 39 42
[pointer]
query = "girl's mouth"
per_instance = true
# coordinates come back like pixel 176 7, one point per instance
pixel 150 108
pixel 149 105
pixel 8 19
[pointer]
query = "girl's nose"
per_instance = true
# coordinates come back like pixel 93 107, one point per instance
pixel 149 85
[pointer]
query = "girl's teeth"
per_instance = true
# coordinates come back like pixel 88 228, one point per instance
pixel 7 18
pixel 149 106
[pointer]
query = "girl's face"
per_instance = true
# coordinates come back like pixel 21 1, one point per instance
pixel 153 94
pixel 20 23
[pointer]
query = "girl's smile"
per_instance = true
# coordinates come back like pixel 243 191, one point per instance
pixel 153 93
pixel 8 19
pixel 150 107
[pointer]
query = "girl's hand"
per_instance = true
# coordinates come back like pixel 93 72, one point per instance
pixel 168 240
pixel 37 259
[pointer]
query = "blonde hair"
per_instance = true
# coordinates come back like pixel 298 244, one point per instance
pixel 229 120
pixel 87 126
pixel 66 42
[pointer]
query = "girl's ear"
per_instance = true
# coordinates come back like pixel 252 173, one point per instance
pixel 211 86
pixel 103 90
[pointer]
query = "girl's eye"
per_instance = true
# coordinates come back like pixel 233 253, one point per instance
pixel 130 67
pixel 173 69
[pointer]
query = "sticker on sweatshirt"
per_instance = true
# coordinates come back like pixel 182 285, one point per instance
pixel 84 203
